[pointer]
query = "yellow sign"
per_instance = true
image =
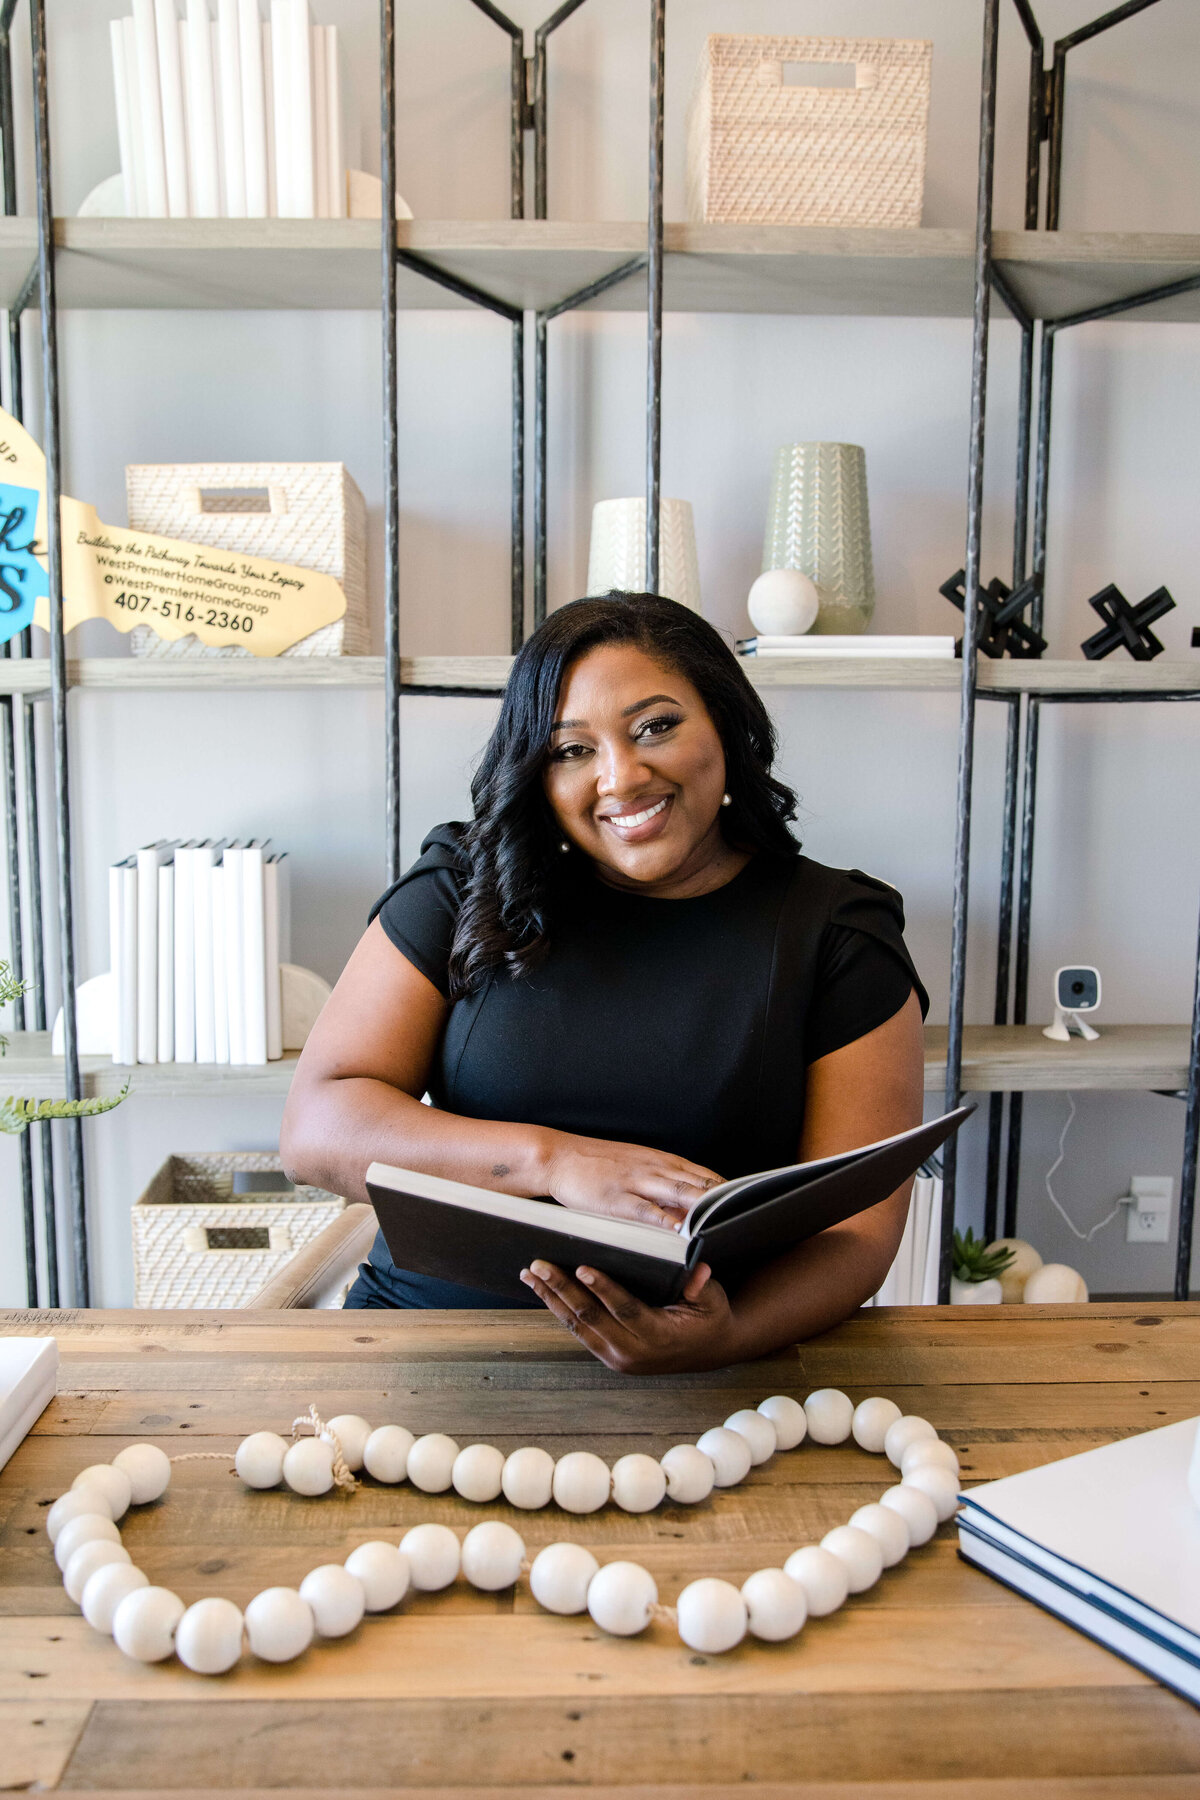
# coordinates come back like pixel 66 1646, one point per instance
pixel 136 578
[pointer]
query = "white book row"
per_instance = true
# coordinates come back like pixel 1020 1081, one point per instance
pixel 912 1279
pixel 237 117
pixel 197 932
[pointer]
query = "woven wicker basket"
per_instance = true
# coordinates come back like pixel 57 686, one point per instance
pixel 308 514
pixel 197 1244
pixel 761 151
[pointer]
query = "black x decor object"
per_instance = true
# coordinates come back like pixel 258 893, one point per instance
pixel 1000 631
pixel 1126 625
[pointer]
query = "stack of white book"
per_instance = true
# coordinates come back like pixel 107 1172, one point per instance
pixel 862 645
pixel 197 932
pixel 912 1279
pixel 235 117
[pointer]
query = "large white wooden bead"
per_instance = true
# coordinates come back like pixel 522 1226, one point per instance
pixel 478 1471
pixel 620 1596
pixel 871 1422
pixel 383 1571
pixel 492 1554
pixel 711 1616
pixel 114 1484
pixel 758 1432
pixel 823 1576
pixel 85 1528
pixel 888 1529
pixel 582 1482
pixel 729 1454
pixel 338 1598
pixel 148 1469
pixel 788 1418
pixel 916 1509
pixel 690 1474
pixel 638 1483
pixel 143 1623
pixel 352 1432
pixel 279 1624
pixel 385 1453
pixel 902 1433
pixel 259 1459
pixel 776 1606
pixel 86 1560
pixel 73 1505
pixel 859 1551
pixel 208 1638
pixel 308 1467
pixel 104 1591
pixel 928 1453
pixel 829 1413
pixel 433 1556
pixel 560 1577
pixel 431 1462
pixel 940 1485
pixel 528 1478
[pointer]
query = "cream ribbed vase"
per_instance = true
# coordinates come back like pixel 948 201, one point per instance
pixel 617 556
pixel 818 522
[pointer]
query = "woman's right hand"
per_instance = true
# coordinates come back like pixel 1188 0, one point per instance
pixel 626 1181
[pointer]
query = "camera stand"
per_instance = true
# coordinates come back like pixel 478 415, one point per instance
pixel 1068 1025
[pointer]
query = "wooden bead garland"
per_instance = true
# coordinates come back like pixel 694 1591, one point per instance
pixel 712 1616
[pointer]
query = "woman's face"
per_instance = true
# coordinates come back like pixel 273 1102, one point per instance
pixel 636 772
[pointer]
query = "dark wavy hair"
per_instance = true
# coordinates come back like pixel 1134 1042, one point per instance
pixel 515 878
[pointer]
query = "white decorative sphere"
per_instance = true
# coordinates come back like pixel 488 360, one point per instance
pixel 338 1598
pixel 871 1423
pixel 829 1413
pixel 279 1624
pixel 148 1469
pixel 433 1556
pixel 478 1472
pixel 143 1623
pixel 560 1577
pixel 431 1462
pixel 729 1454
pixel 208 1638
pixel 859 1551
pixel 823 1576
pixel 308 1467
pixel 904 1432
pixel 84 1528
pixel 86 1560
pixel 783 603
pixel 1055 1284
pixel 104 1591
pixel 528 1478
pixel 789 1419
pixel 259 1459
pixel 73 1505
pixel 1025 1259
pixel 888 1529
pixel 690 1474
pixel 114 1484
pixel 582 1482
pixel 620 1596
pixel 776 1605
pixel 492 1554
pixel 352 1432
pixel 383 1571
pixel 711 1616
pixel 638 1483
pixel 385 1453
pixel 758 1432
pixel 939 1484
pixel 928 1453
pixel 916 1509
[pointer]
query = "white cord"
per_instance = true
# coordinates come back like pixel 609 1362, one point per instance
pixel 1085 1237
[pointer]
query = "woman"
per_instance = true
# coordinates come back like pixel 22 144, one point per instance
pixel 620 984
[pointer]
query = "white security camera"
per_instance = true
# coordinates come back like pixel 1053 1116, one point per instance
pixel 1076 991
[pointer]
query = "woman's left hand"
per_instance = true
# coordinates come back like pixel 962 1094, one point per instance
pixel 695 1332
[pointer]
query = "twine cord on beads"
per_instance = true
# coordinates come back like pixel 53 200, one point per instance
pixel 203 1456
pixel 659 1611
pixel 315 1423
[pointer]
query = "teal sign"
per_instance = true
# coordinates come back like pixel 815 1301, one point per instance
pixel 22 577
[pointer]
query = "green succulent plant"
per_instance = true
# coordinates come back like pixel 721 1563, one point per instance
pixel 17 1115
pixel 973 1261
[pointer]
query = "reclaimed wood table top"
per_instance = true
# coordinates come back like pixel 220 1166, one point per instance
pixel 938 1681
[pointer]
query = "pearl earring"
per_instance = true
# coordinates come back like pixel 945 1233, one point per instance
pixel 564 846
pixel 725 800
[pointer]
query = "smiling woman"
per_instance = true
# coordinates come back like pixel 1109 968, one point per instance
pixel 619 983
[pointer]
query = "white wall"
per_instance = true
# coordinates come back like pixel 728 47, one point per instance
pixel 1118 861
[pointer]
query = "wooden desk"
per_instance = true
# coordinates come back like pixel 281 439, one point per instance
pixel 938 1681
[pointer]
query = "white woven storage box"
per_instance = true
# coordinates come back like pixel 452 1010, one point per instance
pixel 196 1243
pixel 764 151
pixel 308 514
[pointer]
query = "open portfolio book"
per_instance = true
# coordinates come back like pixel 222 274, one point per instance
pixel 484 1239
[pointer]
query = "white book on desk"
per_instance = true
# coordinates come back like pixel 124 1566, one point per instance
pixel 166 963
pixel 254 118
pixel 150 108
pixel 28 1379
pixel 254 968
pixel 203 159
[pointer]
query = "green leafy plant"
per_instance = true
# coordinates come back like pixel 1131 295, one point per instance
pixel 973 1261
pixel 17 1115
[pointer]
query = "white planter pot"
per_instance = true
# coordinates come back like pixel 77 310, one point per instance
pixel 975 1293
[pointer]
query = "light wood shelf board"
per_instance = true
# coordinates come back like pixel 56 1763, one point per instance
pixel 29 1070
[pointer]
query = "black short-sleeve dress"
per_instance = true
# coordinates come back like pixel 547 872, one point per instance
pixel 686 1025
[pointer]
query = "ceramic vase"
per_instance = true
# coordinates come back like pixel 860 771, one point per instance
pixel 617 557
pixel 818 522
